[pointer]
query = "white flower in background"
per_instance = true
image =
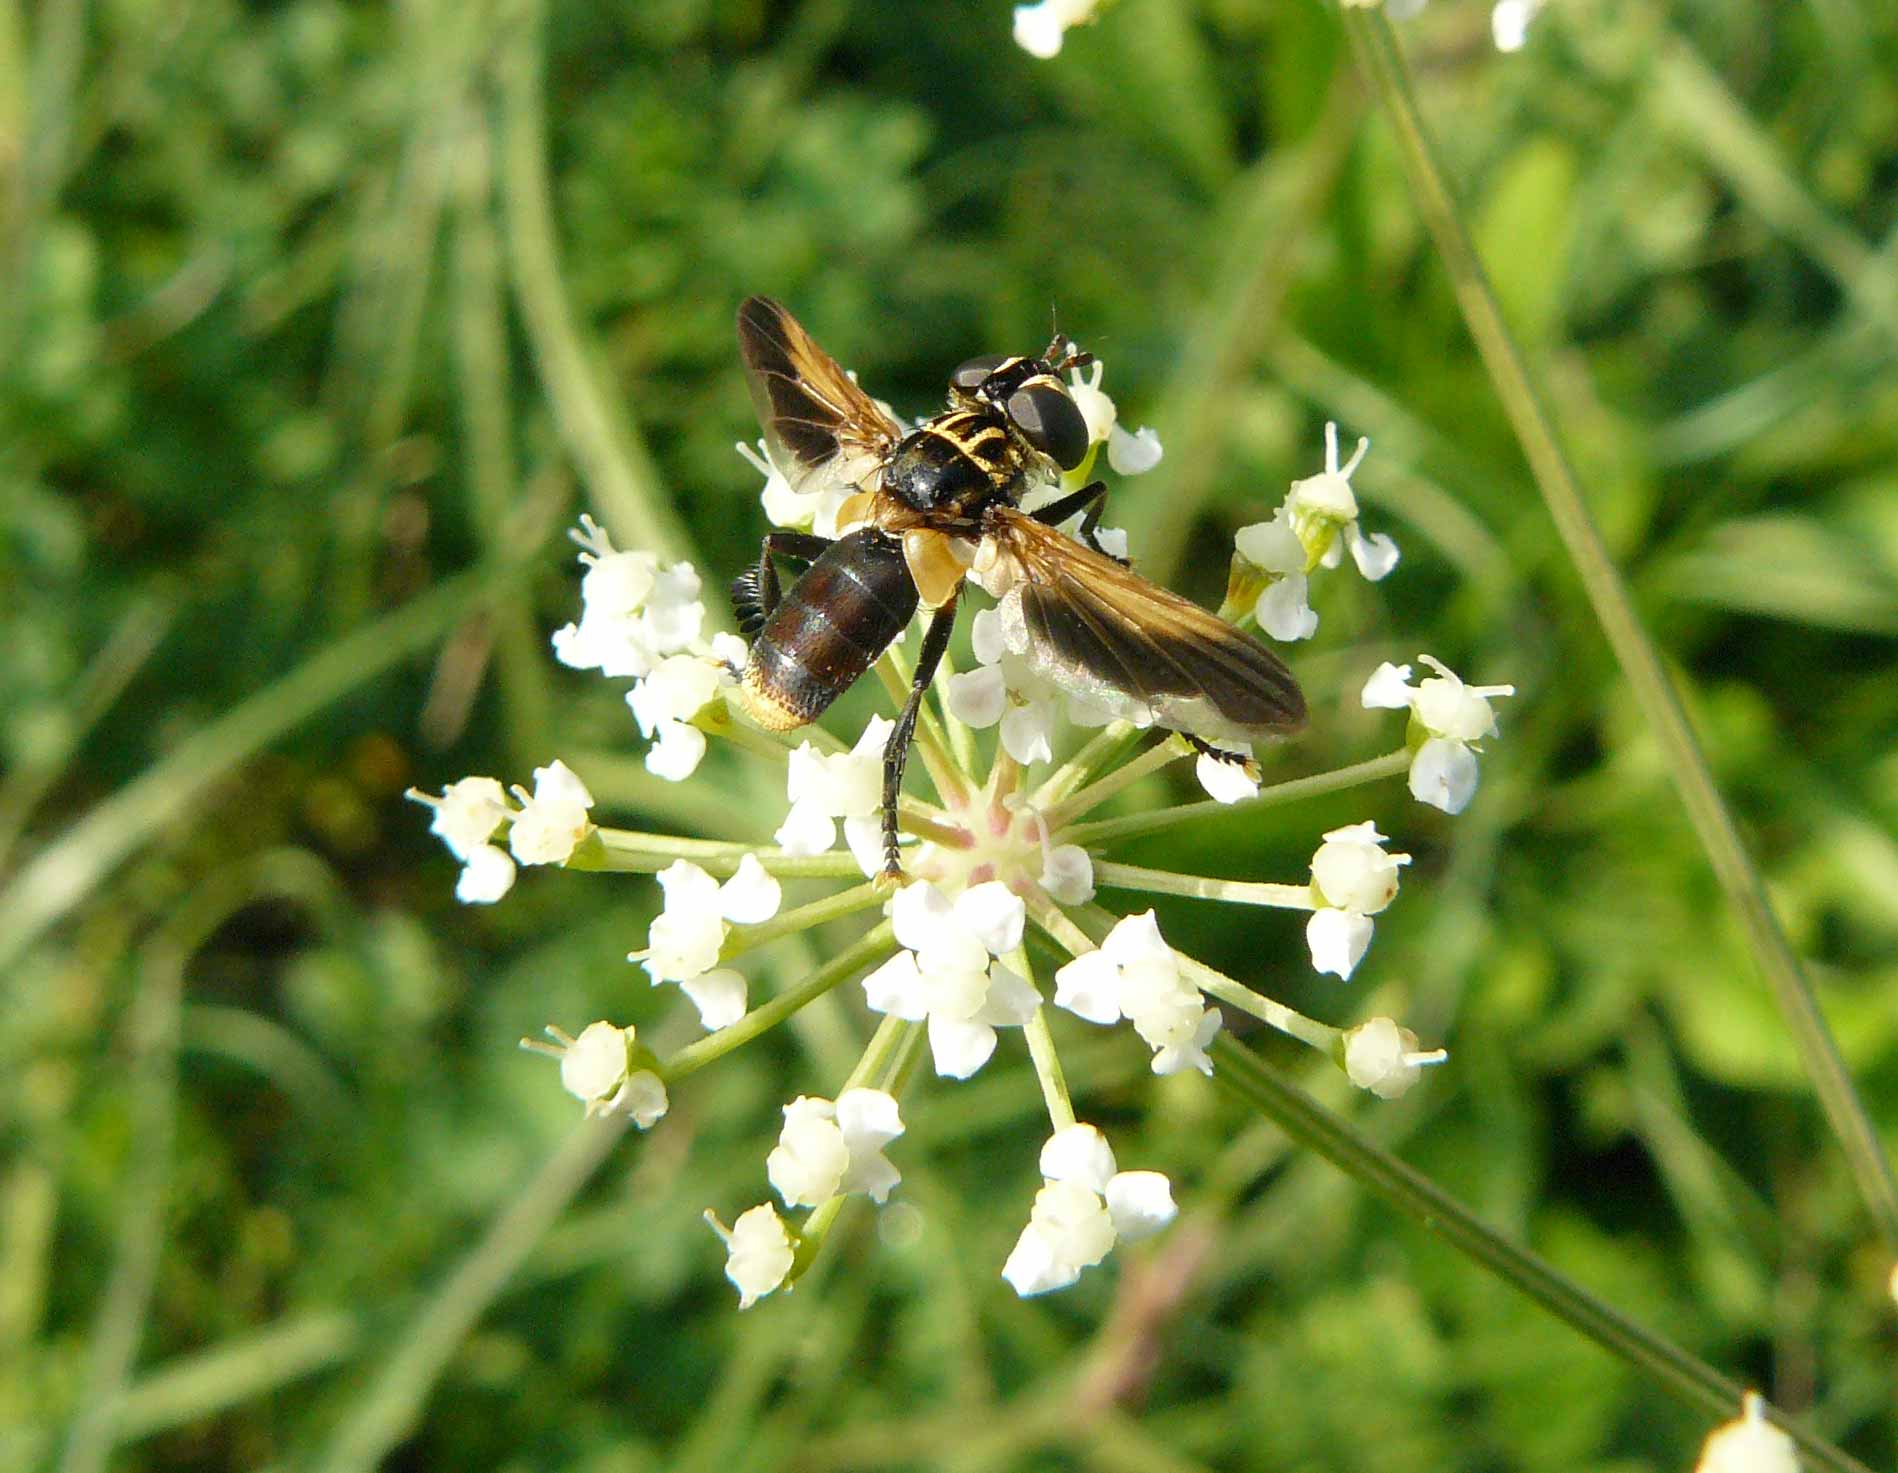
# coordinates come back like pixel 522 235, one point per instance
pixel 1750 1444
pixel 848 785
pixel 597 1069
pixel 758 1252
pixel 1323 511
pixel 1509 23
pixel 633 612
pixel 1352 880
pixel 466 816
pixel 486 876
pixel 1084 1207
pixel 1040 29
pixel 1384 1058
pixel 949 972
pixel 687 935
pixel 826 1149
pixel 1130 454
pixel 802 511
pixel 553 818
pixel 1452 718
pixel 1135 975
pixel 672 694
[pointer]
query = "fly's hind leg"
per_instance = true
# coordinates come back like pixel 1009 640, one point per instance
pixel 896 749
pixel 1090 501
pixel 1243 760
pixel 755 592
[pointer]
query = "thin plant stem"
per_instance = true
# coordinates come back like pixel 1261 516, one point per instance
pixel 1378 53
pixel 801 918
pixel 1309 1123
pixel 1048 1072
pixel 1103 749
pixel 1169 750
pixel 874 947
pixel 1203 887
pixel 1103 830
pixel 625 852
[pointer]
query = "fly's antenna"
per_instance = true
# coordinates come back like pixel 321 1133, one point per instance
pixel 1063 352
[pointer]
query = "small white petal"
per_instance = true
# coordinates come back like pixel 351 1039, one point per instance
pixel 1388 689
pixel 1028 732
pixel 958 1048
pixel 1079 1153
pixel 864 838
pixel 1443 774
pixel 1190 1053
pixel 1225 782
pixel 923 918
pixel 1375 555
pixel 806 829
pixel 1033 1268
pixel 1140 1203
pixel 547 831
pixel 896 988
pixel 642 1096
pixel 1011 999
pixel 1272 546
pixel 978 697
pixel 1067 874
pixel 1089 987
pixel 869 1118
pixel 988 636
pixel 751 895
pixel 468 813
pixel 1352 871
pixel 993 914
pixel 1338 939
pixel 558 783
pixel 487 875
pixel 677 753
pixel 1384 1058
pixel 809 1161
pixel 719 996
pixel 1135 454
pixel 1283 609
pixel 1137 938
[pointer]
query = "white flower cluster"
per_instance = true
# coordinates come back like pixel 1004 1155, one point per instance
pixel 1352 879
pixel 1084 1207
pixel 1313 528
pixel 646 621
pixel 829 1148
pixel 545 829
pixel 1135 975
pixel 1448 719
pixel 825 787
pixel 949 971
pixel 686 937
pixel 600 1069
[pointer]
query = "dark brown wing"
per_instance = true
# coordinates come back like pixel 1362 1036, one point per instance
pixel 1103 632
pixel 820 429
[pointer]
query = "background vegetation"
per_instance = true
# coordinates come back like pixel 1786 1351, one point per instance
pixel 320 322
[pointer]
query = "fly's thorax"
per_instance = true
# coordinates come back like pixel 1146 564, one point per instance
pixel 958 462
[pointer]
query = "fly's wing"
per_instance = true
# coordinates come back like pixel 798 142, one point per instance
pixel 820 430
pixel 1102 632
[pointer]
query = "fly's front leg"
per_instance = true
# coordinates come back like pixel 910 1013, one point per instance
pixel 755 592
pixel 896 749
pixel 1090 501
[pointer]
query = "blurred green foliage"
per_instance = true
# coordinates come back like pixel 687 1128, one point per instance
pixel 273 373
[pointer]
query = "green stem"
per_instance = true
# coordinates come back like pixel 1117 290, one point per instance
pixel 1104 830
pixel 1170 749
pixel 1104 748
pixel 1048 1071
pixel 627 852
pixel 1306 1121
pixel 874 947
pixel 1202 887
pixel 1378 53
pixel 801 918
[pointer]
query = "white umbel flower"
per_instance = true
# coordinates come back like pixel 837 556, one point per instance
pixel 826 1149
pixel 1749 1444
pixel 553 818
pixel 687 935
pixel 1135 975
pixel 1083 1208
pixel 1323 512
pixel 1384 1058
pixel 633 612
pixel 1353 878
pixel 949 972
pixel 1452 719
pixel 758 1252
pixel 597 1069
pixel 467 813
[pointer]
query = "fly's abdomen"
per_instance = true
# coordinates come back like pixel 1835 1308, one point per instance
pixel 844 612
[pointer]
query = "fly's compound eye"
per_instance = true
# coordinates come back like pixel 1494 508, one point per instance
pixel 1051 422
pixel 973 374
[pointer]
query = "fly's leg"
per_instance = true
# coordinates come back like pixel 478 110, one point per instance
pixel 1090 501
pixel 896 749
pixel 1221 754
pixel 755 592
